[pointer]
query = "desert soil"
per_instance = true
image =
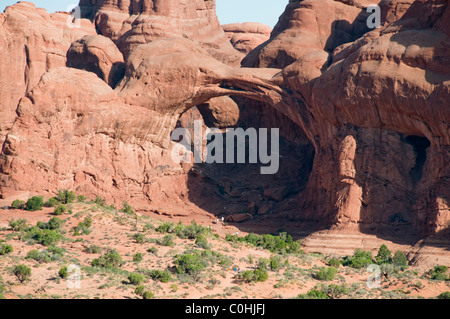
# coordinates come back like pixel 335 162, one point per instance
pixel 113 229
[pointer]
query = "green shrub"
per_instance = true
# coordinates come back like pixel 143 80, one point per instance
pixel 326 273
pixel 167 240
pixel 139 238
pixel 34 203
pixel 6 249
pixel 83 227
pixel 87 221
pixel 325 292
pixel 260 275
pixel 18 225
pixel 139 290
pixel 233 238
pixel 439 273
pixel 81 198
pixel 263 263
pixel 384 255
pixel 189 263
pixel 56 251
pixel 52 202
pixel 60 209
pixel 63 273
pixel 22 272
pixel 53 224
pixel 33 254
pixel 334 291
pixel 126 208
pixel 44 237
pixel 18 204
pixel 400 260
pixel 66 196
pixel 202 242
pixel 136 279
pixel 294 247
pixel 40 257
pixel 93 249
pixel 147 227
pixel 193 262
pixel 100 201
pixel 191 231
pixel 110 260
pixel 283 243
pixel 153 250
pixel 313 294
pixel 137 257
pixel 273 243
pixel 334 262
pixel 387 270
pixel 444 295
pixel 360 259
pixel 274 263
pixel 166 227
pixel 247 275
pixel 163 276
pixel 148 295
pixel 42 225
pixel 2 290
pixel 48 237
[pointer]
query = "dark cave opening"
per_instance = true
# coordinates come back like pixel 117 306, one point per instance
pixel 228 189
pixel 420 145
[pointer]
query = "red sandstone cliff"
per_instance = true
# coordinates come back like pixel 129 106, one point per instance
pixel 364 113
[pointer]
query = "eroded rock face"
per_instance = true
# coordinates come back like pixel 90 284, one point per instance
pixel 88 140
pixel 32 42
pixel 97 54
pixel 135 22
pixel 381 125
pixel 247 36
pixel 97 140
pixel 366 112
pixel 310 29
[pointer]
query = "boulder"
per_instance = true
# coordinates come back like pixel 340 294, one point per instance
pixel 220 112
pixel 97 54
pixel 238 218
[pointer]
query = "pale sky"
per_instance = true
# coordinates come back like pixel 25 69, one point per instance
pixel 228 11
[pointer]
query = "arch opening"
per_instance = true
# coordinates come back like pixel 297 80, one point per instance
pixel 239 189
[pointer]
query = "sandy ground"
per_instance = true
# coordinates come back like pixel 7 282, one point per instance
pixel 113 229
